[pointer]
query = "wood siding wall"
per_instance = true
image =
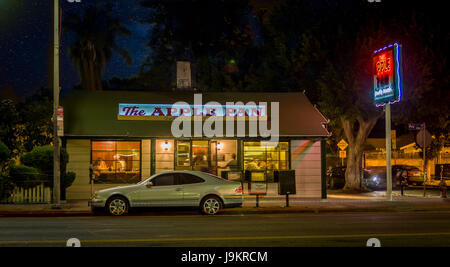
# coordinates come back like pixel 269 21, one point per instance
pixel 306 161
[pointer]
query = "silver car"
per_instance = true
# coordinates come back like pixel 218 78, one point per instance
pixel 172 189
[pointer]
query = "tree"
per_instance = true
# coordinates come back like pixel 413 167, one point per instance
pixel 428 103
pixel 5 183
pixel 346 84
pixel 9 126
pixel 95 37
pixel 209 33
pixel 5 156
pixel 36 119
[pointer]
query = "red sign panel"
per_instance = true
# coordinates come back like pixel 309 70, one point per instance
pixel 387 75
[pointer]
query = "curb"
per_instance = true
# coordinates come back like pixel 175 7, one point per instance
pixel 44 213
pixel 236 211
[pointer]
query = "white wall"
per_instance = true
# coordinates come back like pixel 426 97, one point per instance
pixel 306 161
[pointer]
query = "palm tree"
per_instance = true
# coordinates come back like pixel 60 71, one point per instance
pixel 95 37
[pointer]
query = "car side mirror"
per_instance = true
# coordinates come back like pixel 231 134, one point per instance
pixel 149 185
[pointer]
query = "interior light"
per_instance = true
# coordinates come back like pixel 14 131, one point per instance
pixel 165 145
pixel 219 145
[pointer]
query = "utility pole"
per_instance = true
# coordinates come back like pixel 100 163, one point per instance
pixel 56 143
pixel 388 153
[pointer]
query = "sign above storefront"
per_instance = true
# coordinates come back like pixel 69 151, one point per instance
pixel 169 112
pixel 387 75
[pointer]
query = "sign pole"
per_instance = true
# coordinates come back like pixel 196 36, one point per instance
pixel 424 149
pixel 388 153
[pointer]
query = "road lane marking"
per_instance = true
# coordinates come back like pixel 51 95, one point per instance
pixel 150 240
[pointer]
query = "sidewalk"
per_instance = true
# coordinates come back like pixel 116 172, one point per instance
pixel 336 202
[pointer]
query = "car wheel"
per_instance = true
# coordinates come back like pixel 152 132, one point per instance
pixel 211 205
pixel 117 206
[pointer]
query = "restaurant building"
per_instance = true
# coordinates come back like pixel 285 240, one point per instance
pixel 127 136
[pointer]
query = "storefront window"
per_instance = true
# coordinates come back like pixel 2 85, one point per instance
pixel 227 156
pixel 164 155
pixel 116 161
pixel 261 156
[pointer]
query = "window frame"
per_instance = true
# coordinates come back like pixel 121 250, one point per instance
pixel 266 152
pixel 139 179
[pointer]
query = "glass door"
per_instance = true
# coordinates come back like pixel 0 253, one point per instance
pixel 200 155
pixel 183 155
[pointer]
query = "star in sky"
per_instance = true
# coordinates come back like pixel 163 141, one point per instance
pixel 25 28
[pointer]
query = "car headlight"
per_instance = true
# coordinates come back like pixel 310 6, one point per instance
pixel 375 179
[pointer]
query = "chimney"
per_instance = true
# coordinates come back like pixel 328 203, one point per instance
pixel 184 75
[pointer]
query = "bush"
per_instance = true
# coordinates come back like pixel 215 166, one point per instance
pixel 24 176
pixel 41 158
pixel 6 187
pixel 67 179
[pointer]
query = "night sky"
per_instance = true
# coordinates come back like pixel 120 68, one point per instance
pixel 25 28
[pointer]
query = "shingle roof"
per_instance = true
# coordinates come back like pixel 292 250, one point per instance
pixel 95 113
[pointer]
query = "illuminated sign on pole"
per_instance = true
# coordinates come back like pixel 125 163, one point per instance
pixel 387 75
pixel 387 90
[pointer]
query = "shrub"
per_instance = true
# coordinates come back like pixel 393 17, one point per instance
pixel 67 179
pixel 41 158
pixel 6 187
pixel 24 176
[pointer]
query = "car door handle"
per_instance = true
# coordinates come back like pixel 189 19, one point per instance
pixel 179 189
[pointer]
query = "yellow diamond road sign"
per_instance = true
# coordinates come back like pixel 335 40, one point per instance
pixel 342 144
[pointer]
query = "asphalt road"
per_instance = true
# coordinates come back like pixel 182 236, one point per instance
pixel 187 230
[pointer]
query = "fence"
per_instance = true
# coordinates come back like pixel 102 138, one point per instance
pixel 36 194
pixel 395 155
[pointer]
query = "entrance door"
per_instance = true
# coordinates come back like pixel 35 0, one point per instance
pixel 200 155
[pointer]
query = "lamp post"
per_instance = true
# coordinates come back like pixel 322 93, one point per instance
pixel 56 141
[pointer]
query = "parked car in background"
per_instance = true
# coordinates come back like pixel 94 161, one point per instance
pixel 413 176
pixel 172 189
pixel 336 177
pixel 376 178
